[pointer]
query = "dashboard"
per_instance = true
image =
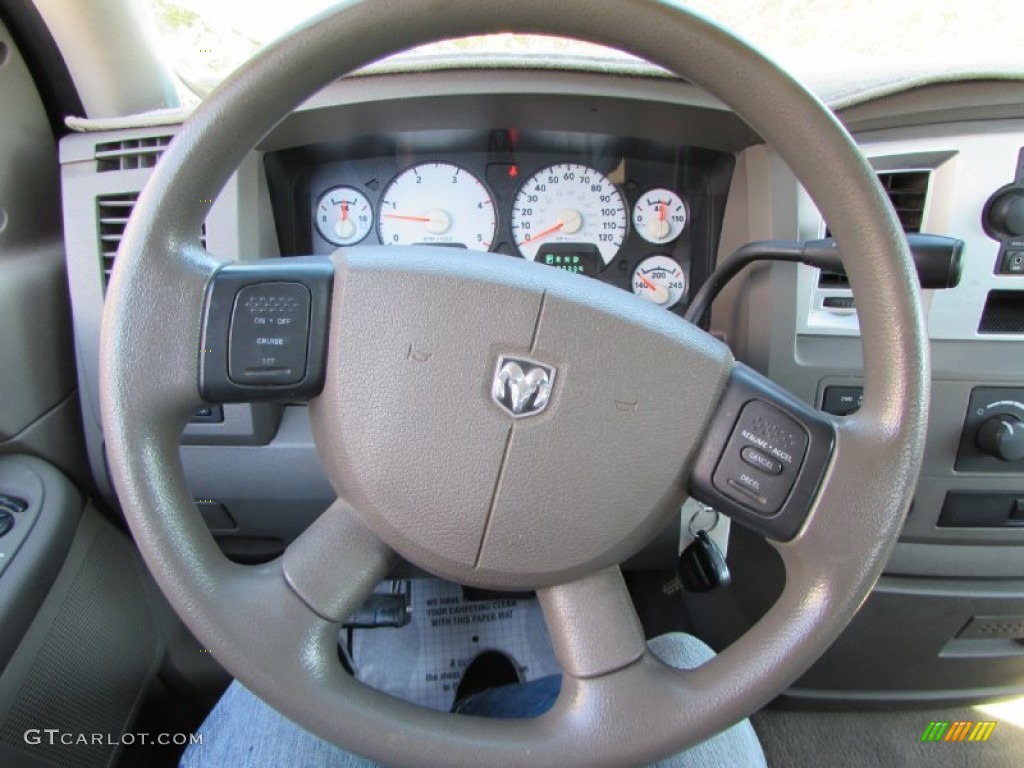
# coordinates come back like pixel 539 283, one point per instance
pixel 642 215
pixel 631 180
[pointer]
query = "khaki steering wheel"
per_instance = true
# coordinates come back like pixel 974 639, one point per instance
pixel 511 524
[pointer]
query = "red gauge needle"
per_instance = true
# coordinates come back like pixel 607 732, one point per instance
pixel 344 211
pixel 546 232
pixel 659 294
pixel 406 218
pixel 647 282
pixel 661 211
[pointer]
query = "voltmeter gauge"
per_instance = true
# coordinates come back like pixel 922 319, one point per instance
pixel 660 280
pixel 343 216
pixel 659 216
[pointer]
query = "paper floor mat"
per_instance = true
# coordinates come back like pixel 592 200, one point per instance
pixel 423 661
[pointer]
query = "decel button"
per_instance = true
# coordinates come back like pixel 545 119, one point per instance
pixel 269 334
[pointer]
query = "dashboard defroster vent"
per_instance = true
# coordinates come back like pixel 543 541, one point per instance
pixel 129 154
pixel 112 212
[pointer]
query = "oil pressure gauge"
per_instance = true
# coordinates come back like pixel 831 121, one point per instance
pixel 659 216
pixel 343 216
pixel 660 280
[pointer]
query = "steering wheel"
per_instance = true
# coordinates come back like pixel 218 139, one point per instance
pixel 431 462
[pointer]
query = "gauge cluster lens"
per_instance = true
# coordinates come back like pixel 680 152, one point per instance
pixel 569 211
pixel 568 215
pixel 659 216
pixel 437 204
pixel 343 216
pixel 660 280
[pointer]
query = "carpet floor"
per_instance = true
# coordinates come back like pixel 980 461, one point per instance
pixel 799 738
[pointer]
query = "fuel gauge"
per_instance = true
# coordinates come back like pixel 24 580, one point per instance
pixel 343 216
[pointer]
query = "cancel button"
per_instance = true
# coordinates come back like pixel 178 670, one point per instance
pixel 761 461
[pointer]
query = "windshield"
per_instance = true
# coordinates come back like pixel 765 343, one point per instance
pixel 828 42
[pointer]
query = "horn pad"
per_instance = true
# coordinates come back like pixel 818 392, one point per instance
pixel 505 424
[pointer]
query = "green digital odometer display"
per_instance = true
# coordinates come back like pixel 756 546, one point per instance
pixel 578 259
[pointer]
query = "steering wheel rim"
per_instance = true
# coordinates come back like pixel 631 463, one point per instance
pixel 618 705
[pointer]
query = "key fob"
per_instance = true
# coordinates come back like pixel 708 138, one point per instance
pixel 702 566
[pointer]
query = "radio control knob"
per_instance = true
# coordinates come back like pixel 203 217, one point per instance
pixel 1002 436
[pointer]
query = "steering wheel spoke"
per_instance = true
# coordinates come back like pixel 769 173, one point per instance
pixel 593 625
pixel 335 563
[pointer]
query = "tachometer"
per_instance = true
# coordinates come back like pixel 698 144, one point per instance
pixel 437 204
pixel 569 216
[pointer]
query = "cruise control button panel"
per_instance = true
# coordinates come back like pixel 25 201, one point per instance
pixel 269 333
pixel 762 458
pixel 265 332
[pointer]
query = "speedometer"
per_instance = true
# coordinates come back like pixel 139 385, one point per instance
pixel 437 204
pixel 569 216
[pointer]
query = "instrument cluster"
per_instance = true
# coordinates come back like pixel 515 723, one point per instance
pixel 641 216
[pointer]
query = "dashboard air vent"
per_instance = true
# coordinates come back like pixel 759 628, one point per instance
pixel 129 154
pixel 907 191
pixel 112 212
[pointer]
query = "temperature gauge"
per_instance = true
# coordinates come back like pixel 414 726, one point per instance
pixel 659 215
pixel 343 216
pixel 660 280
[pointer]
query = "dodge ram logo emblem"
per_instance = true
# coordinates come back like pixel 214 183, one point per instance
pixel 522 387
